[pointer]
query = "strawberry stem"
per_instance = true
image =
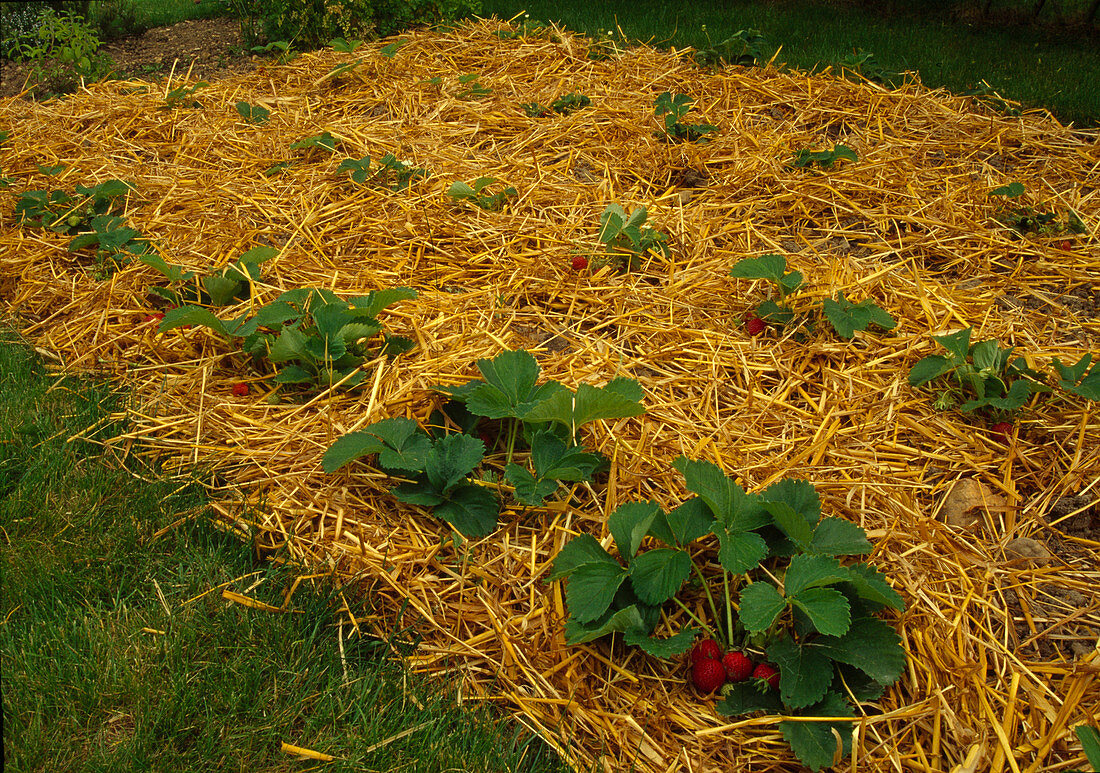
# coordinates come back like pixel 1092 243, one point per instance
pixel 706 590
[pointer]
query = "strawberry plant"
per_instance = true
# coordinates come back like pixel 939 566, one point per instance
pixel 324 141
pixel 309 336
pixel 563 105
pixel 220 288
pixel 1079 378
pixel 525 29
pixel 473 89
pixel 980 377
pixel 344 46
pixel 280 50
pixel 862 64
pixel 112 240
pixel 460 191
pixel 805 158
pixel 253 113
pixel 844 316
pixel 68 213
pixel 182 97
pixel 808 616
pixel 745 47
pixel 539 425
pixel 669 110
pixel 626 238
pixel 391 173
pixel 1036 219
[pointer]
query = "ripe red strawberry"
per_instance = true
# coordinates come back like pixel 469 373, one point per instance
pixel 580 262
pixel 766 674
pixel 1002 431
pixel 708 675
pixel 707 649
pixel 240 389
pixel 1065 244
pixel 155 316
pixel 754 325
pixel 738 667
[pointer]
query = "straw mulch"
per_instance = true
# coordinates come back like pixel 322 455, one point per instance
pixel 1002 649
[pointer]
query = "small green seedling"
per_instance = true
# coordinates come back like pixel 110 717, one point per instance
pixel 980 377
pixel 669 109
pixel 747 47
pixel 253 113
pixel 344 46
pixel 862 64
pixel 844 316
pixel 390 173
pixel 525 29
pixel 823 158
pixel 473 192
pixel 473 89
pixel 569 103
pixel 325 142
pixel 1038 219
pixel 627 239
pixel 987 95
pixel 390 49
pixel 182 97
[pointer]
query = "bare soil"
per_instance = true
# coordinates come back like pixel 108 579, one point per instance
pixel 207 48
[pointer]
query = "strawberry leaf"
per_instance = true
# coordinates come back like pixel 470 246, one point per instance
pixel 657 574
pixel 1090 743
pixel 740 551
pixel 627 619
pixel 804 672
pixel 958 343
pixel 661 648
pixel 728 501
pixel 579 551
pixel 509 390
pixel 838 537
pixel 588 404
pixel 771 267
pixel 451 459
pixel 1074 378
pixel 591 588
pixel 529 490
pixel 552 458
pixel 388 433
pixel 791 523
pixel 810 571
pixel 629 524
pixel 847 317
pixel 871 645
pixel 760 604
pixel 871 586
pixel 470 509
pixel 821 744
pixel 799 494
pixel 827 609
pixel 744 698
pixel 685 523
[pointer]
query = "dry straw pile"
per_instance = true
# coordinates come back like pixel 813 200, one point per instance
pixel 1002 646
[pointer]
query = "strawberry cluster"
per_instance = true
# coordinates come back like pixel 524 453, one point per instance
pixel 711 668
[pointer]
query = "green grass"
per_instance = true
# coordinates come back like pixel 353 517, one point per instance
pixel 114 660
pixel 1032 66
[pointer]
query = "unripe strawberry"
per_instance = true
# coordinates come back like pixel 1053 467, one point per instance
pixel 707 649
pixel 708 675
pixel 738 667
pixel 767 674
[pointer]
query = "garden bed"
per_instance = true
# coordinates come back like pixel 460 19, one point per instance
pixel 1002 658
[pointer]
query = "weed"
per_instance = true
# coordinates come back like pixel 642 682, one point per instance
pixel 182 97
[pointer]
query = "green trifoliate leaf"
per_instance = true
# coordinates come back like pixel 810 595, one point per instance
pixel 657 575
pixel 810 571
pixel 740 551
pixel 1018 394
pixel 958 343
pixel 771 267
pixel 509 390
pixel 173 272
pixel 1073 378
pixel 730 504
pixel 821 744
pixel 627 619
pixel 291 344
pixel 529 490
pixel 389 433
pixel 1012 190
pixel 791 523
pixel 221 289
pixel 660 648
pixel 579 551
pixel 838 537
pixel 871 645
pixel 419 492
pixel 552 458
pixel 591 588
pixel 685 523
pixel 929 368
pixel 799 494
pixel 827 609
pixel 804 672
pixel 630 523
pixel 451 459
pixel 847 317
pixel 294 374
pixel 470 509
pixel 194 315
pixel 760 605
pixel 588 404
